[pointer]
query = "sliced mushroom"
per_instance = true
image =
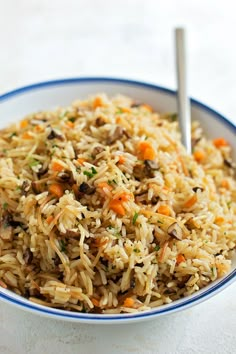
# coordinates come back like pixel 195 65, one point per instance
pixel 195 141
pixel 65 177
pixel 175 231
pixel 229 163
pixel 25 187
pixel 138 172
pixel 136 104
pixel 54 135
pixel 86 188
pixel 192 224
pixel 28 256
pixel 97 150
pixel 118 134
pixel 71 233
pixel 195 189
pixel 36 187
pixel 150 167
pixel 146 170
pixel 100 121
pixel 6 230
pixel 42 171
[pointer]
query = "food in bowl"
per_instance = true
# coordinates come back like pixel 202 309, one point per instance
pixel 103 211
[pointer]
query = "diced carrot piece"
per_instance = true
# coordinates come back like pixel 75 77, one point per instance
pixel 26 136
pixel 126 109
pixel 146 150
pixel 143 145
pixel 95 302
pixel 121 159
pixel 97 102
pixel 39 128
pixel 149 154
pixel 219 220
pixel 56 166
pixel 117 207
pixel 49 219
pixel 81 160
pixel 123 197
pixel 105 185
pixel 119 120
pixel 225 184
pixel 70 124
pixel 164 209
pixel 190 202
pixel 56 189
pixel 129 302
pixel 219 142
pixel 24 123
pixel 180 258
pixel 199 155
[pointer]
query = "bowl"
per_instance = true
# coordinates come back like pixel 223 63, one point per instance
pixel 48 95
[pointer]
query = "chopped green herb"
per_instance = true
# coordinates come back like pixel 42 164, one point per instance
pixel 160 222
pixel 63 246
pixel 136 250
pixel 33 163
pixel 135 217
pixel 173 117
pixel 115 232
pixel 13 134
pixel 156 248
pixel 229 204
pixel 146 137
pixel 111 181
pixel 90 174
pixel 18 188
pixel 5 206
pixel 84 310
pixel 4 150
pixel 119 111
pixel 72 120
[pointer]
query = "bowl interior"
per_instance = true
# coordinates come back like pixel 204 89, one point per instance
pixel 15 105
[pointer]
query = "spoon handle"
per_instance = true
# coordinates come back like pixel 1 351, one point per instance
pixel 183 100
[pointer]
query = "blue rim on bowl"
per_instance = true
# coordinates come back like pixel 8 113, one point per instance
pixel 178 305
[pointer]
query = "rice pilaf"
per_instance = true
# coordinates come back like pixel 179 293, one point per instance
pixel 102 210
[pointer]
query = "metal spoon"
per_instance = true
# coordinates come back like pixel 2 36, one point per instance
pixel 183 100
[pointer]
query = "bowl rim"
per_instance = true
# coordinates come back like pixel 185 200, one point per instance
pixel 178 305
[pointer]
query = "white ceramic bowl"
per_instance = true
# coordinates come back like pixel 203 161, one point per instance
pixel 15 104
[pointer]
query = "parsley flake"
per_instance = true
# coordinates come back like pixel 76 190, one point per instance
pixel 33 163
pixel 63 246
pixel 156 248
pixel 5 206
pixel 135 217
pixel 90 174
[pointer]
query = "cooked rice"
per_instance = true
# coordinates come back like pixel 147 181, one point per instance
pixel 102 210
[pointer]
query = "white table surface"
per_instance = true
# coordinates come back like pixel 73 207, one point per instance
pixel 43 40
